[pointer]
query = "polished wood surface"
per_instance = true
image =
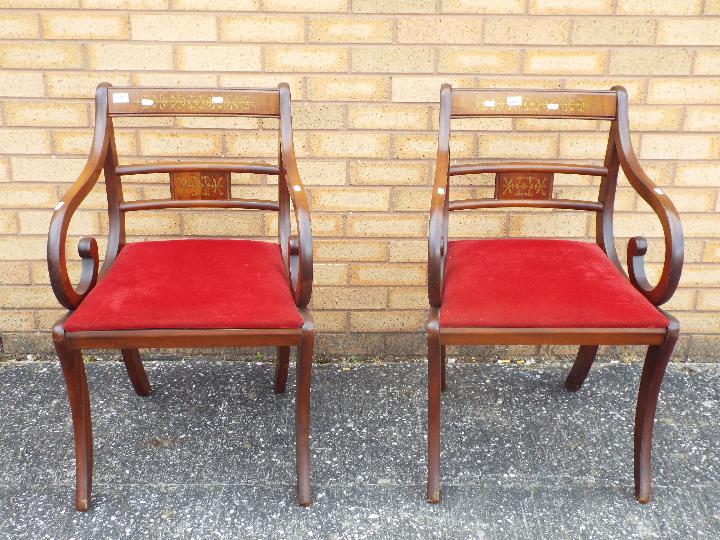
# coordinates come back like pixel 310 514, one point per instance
pixel 136 371
pixel 177 166
pixel 69 296
pixel 199 185
pixel 435 386
pixel 193 184
pixel 660 204
pixel 552 336
pixel 528 192
pixel 581 367
pixel 282 364
pixel 563 204
pixel 230 337
pixel 440 204
pixel 526 167
pixel 524 185
pixel 73 369
pixel 300 269
pixel 656 361
pixel 302 413
pixel 159 204
pixel 193 102
pixel 533 103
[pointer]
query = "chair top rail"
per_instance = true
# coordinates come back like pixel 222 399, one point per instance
pixel 517 102
pixel 156 101
pixel 526 166
pixel 159 204
pixel 197 166
pixel 564 204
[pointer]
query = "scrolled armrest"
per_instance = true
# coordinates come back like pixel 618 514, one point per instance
pixel 437 233
pixel 301 245
pixel 439 210
pixel 300 249
pixel 66 293
pixel 663 208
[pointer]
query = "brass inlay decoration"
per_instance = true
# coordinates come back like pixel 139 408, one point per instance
pixel 535 104
pixel 200 185
pixel 523 186
pixel 191 103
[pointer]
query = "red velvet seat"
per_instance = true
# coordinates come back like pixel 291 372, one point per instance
pixel 533 283
pixel 184 284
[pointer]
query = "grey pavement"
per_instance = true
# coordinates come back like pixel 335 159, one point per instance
pixel 210 454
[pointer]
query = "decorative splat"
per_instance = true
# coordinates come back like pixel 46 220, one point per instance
pixel 523 185
pixel 200 185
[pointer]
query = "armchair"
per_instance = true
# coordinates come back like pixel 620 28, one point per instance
pixel 191 292
pixel 536 291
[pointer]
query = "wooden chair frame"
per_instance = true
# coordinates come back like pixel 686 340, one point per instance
pixel 611 106
pixel 296 254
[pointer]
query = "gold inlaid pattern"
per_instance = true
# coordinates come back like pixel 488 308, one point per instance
pixel 536 104
pixel 191 103
pixel 524 186
pixel 203 186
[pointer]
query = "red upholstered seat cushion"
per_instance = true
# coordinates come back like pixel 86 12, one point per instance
pixel 533 283
pixel 181 284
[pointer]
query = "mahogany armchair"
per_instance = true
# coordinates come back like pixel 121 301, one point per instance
pixel 536 291
pixel 190 292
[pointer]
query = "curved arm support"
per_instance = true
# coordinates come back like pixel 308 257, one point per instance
pixel 66 293
pixel 663 208
pixel 439 208
pixel 301 273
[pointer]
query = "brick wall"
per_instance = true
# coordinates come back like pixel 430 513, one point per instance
pixel 365 77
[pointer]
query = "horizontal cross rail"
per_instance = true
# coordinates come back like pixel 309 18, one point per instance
pixel 565 204
pixel 519 166
pixel 197 166
pixel 159 204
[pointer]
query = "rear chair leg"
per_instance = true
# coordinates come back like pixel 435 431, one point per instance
pixel 136 371
pixel 302 414
pixel 581 367
pixel 74 372
pixel 281 369
pixel 656 362
pixel 434 391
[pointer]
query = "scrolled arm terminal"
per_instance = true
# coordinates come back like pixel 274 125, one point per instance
pixel 663 208
pixel 300 247
pixel 69 296
pixel 439 209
